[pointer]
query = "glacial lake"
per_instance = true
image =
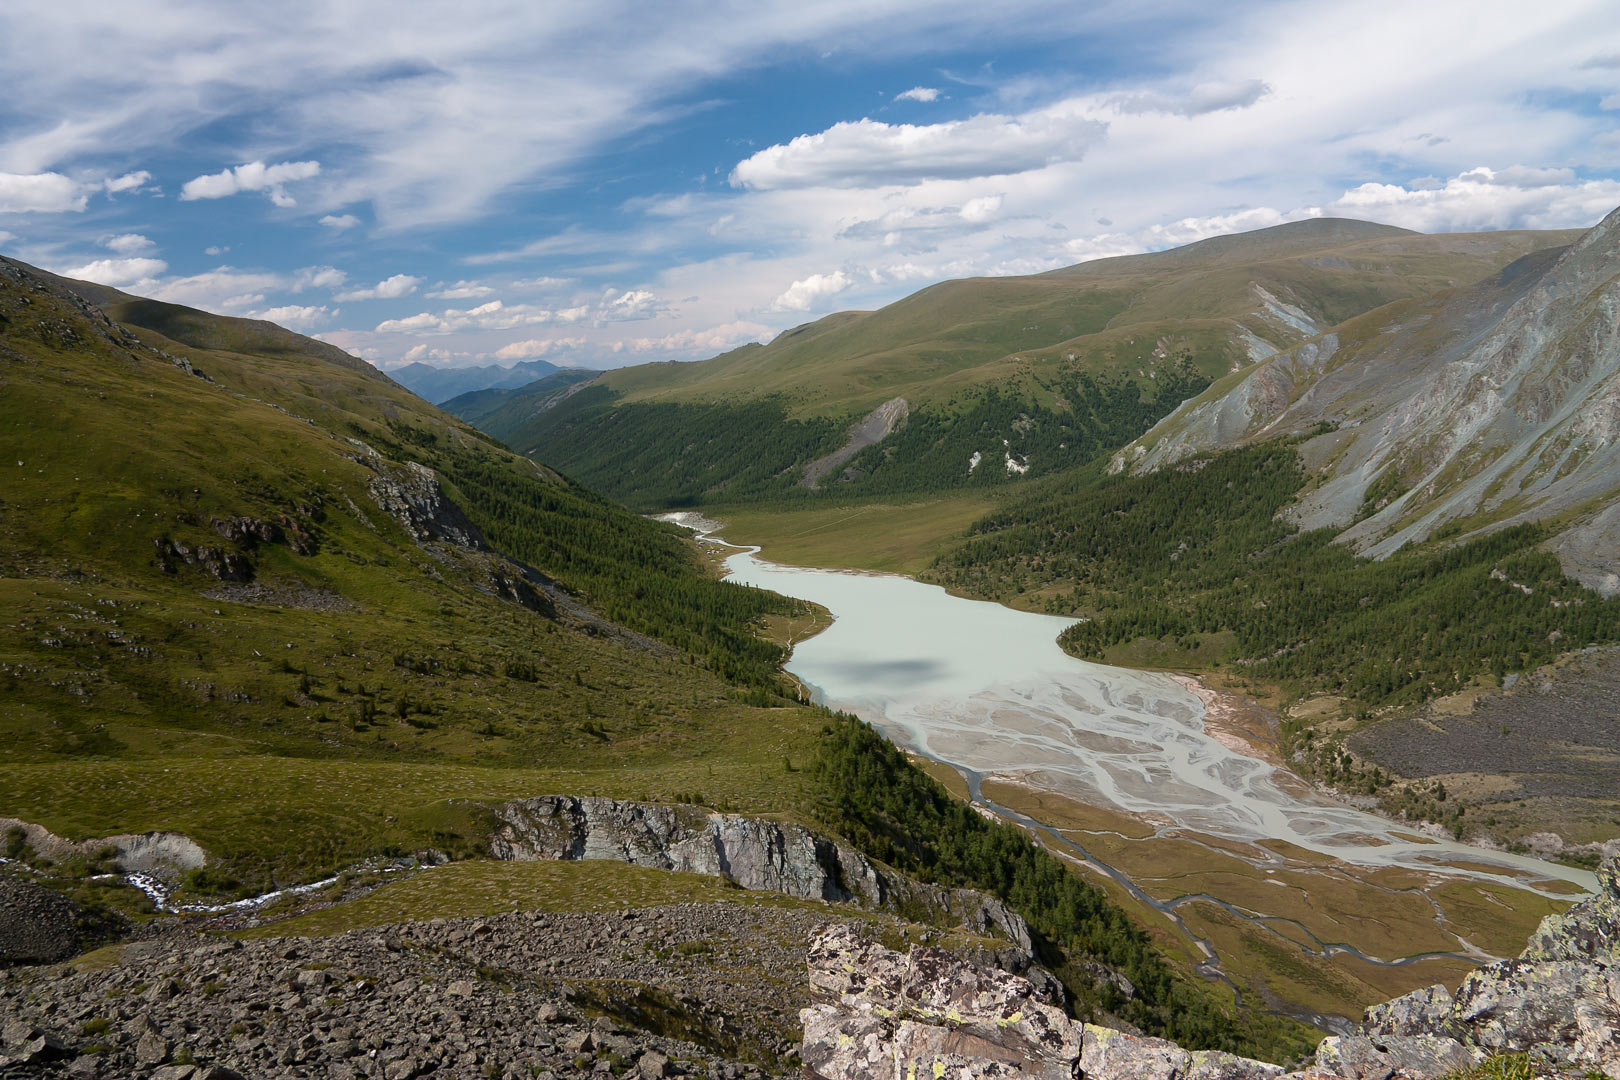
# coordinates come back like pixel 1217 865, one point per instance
pixel 987 689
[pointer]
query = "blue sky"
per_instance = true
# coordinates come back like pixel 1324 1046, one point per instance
pixel 611 183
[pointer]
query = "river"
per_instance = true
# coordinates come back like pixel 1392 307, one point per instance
pixel 987 690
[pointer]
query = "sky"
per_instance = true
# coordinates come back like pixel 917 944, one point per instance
pixel 608 183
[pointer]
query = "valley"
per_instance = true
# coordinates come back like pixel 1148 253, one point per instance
pixel 1244 870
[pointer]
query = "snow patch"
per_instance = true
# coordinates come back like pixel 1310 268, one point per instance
pixel 973 462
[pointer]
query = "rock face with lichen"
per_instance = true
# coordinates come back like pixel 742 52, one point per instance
pixel 931 1014
pixel 927 1013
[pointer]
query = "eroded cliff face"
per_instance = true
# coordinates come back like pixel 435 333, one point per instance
pixel 1494 405
pixel 928 1013
pixel 753 852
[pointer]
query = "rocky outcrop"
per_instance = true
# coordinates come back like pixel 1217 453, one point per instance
pixel 880 1013
pixel 1558 1001
pixel 928 1013
pixel 876 426
pixel 752 852
pixel 412 496
pixel 159 854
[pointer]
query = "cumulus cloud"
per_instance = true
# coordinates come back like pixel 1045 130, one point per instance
pixel 318 277
pixel 491 316
pixel 225 289
pixel 461 290
pixel 340 221
pixel 716 339
pixel 128 182
pixel 391 288
pixel 215 249
pixel 918 93
pixel 537 347
pixel 126 243
pixel 1483 198
pixel 1158 237
pixel 118 273
pixel 254 176
pixel 1201 99
pixel 43 193
pixel 980 210
pixel 6 238
pixel 804 293
pixel 867 153
pixel 295 317
pixel 628 305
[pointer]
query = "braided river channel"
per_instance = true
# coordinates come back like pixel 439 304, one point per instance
pixel 986 690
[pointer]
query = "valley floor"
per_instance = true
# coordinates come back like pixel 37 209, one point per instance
pixel 1300 933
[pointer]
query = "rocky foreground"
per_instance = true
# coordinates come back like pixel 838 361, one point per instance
pixel 929 1014
pixel 719 991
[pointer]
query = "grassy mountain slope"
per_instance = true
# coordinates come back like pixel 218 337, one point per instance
pixel 232 589
pixel 273 601
pixel 1034 374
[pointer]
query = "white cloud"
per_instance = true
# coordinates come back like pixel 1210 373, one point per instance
pixel 215 249
pixel 1201 99
pixel 340 221
pixel 391 288
pixel 118 273
pixel 254 176
pixel 632 304
pixel 538 347
pixel 317 277
pixel 491 316
pixel 980 210
pixel 1611 102
pixel 224 289
pixel 44 193
pixel 804 293
pixel 6 238
pixel 572 314
pixel 542 282
pixel 461 290
pixel 127 182
pixel 126 243
pixel 918 93
pixel 1482 198
pixel 716 339
pixel 869 153
pixel 295 317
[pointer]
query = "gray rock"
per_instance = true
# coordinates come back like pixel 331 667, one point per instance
pixel 1425 1011
pixel 753 852
pixel 1419 1057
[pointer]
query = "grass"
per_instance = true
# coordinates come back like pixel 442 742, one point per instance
pixel 1389 914
pixel 897 537
pixel 484 887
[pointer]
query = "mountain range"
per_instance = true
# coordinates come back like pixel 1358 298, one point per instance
pixel 439 384
pixel 980 382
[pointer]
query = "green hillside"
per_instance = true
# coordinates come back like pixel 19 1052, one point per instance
pixel 1035 375
pixel 213 615
pixel 265 597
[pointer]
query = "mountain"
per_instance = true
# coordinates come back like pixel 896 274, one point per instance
pixel 439 384
pixel 1462 413
pixel 986 381
pixel 1403 528
pixel 241 567
pixel 491 405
